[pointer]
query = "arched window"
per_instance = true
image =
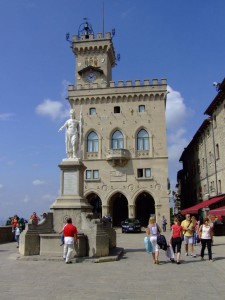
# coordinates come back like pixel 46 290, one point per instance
pixel 142 140
pixel 92 142
pixel 117 140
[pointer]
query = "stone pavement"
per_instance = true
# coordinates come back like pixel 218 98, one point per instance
pixel 132 277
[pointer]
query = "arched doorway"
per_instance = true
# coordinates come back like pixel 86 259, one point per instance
pixel 118 208
pixel 95 201
pixel 145 206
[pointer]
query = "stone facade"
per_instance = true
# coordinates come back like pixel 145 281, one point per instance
pixel 203 174
pixel 124 144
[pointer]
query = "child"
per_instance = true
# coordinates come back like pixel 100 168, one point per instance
pixel 17 234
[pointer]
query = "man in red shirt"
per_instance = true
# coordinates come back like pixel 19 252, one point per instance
pixel 70 237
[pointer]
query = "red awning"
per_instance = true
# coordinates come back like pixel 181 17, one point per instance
pixel 194 209
pixel 220 211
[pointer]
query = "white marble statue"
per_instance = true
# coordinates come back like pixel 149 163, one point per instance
pixel 73 133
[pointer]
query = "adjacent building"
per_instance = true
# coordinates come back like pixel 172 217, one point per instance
pixel 203 173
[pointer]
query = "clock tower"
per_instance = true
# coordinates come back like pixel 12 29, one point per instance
pixel 95 57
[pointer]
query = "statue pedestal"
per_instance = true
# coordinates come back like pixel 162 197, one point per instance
pixel 71 202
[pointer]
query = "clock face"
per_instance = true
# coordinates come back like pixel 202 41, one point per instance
pixel 90 77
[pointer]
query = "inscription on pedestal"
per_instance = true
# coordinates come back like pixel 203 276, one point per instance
pixel 70 183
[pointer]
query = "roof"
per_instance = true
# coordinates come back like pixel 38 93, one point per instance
pixel 194 209
pixel 217 100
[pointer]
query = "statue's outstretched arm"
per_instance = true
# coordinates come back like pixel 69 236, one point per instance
pixel 61 128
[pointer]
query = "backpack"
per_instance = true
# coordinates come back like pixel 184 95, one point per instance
pixel 161 241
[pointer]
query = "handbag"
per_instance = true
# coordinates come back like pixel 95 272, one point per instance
pixel 148 244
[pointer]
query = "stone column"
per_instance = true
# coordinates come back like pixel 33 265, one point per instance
pixel 70 202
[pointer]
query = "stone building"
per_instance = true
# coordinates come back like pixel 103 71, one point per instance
pixel 124 144
pixel 203 174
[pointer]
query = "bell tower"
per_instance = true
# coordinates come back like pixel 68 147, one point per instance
pixel 95 56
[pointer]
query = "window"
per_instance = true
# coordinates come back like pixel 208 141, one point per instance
pixel 141 108
pixel 219 187
pixel 142 140
pixel 198 166
pixel 217 151
pixel 117 140
pixel 116 109
pixel 92 142
pixel 144 173
pixel 92 174
pixel 92 111
pixel 214 121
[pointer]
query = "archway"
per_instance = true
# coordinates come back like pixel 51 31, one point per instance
pixel 145 206
pixel 95 201
pixel 118 208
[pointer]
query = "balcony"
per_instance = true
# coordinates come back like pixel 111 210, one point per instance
pixel 118 157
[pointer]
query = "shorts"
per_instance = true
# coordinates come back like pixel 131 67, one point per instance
pixel 155 246
pixel 188 240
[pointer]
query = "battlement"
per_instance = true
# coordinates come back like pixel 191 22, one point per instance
pixel 120 83
pixel 91 37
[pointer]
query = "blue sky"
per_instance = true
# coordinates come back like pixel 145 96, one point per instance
pixel 182 41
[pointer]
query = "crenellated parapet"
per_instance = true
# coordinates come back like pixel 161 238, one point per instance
pixel 154 84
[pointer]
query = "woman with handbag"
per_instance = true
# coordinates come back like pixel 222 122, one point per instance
pixel 153 230
pixel 206 235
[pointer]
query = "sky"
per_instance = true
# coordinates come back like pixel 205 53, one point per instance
pixel 182 41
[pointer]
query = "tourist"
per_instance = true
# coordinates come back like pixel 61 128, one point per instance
pixel 153 230
pixel 70 237
pixel 17 234
pixel 176 239
pixel 164 223
pixel 206 235
pixel 188 230
pixel 34 218
pixel 195 230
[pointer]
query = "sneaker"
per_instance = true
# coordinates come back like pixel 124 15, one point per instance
pixel 68 262
pixel 194 255
pixel 62 244
pixel 186 254
pixel 178 262
pixel 172 260
pixel 211 260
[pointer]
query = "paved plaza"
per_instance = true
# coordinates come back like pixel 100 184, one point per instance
pixel 132 277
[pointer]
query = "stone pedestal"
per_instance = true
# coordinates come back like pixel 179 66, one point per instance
pixel 71 202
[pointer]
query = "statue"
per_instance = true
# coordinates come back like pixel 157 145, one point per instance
pixel 73 131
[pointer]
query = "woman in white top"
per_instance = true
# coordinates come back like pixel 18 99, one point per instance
pixel 153 230
pixel 206 234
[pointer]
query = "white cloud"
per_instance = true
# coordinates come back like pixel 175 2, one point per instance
pixel 53 109
pixel 26 199
pixel 6 116
pixel 48 197
pixel 177 114
pixel 38 182
pixel 176 110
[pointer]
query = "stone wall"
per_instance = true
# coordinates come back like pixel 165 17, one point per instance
pixel 6 234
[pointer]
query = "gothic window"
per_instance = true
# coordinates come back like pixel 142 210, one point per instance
pixel 117 140
pixel 142 140
pixel 92 142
